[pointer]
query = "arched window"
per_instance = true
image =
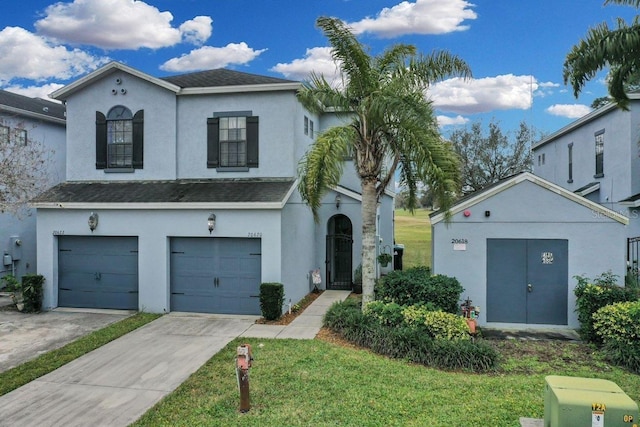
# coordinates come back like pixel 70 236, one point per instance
pixel 119 137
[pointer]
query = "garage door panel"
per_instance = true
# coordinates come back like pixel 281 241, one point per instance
pixel 215 275
pixel 98 272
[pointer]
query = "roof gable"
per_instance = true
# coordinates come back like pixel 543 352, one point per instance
pixel 499 187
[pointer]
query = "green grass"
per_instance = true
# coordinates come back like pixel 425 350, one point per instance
pixel 52 360
pixel 316 383
pixel 414 232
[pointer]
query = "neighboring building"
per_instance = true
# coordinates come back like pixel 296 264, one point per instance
pixel 31 120
pixel 516 247
pixel 598 157
pixel 181 196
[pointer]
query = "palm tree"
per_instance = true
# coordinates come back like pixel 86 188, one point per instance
pixel 617 48
pixel 390 125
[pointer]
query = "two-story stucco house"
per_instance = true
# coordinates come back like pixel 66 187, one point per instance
pixel 598 157
pixel 34 121
pixel 181 196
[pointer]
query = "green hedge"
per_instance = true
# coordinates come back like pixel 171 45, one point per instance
pixel 407 342
pixel 436 324
pixel 271 300
pixel 592 295
pixel 416 286
pixel 618 326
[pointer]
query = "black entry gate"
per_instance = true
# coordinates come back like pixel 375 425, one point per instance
pixel 339 247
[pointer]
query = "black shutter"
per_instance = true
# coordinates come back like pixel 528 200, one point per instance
pixel 101 141
pixel 138 139
pixel 213 142
pixel 252 141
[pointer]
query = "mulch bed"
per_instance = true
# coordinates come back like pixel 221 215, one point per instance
pixel 287 317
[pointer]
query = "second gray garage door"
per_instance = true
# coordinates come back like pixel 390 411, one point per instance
pixel 215 275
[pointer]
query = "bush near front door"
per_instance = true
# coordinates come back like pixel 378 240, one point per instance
pixel 271 300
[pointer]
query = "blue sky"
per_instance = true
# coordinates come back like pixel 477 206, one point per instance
pixel 515 48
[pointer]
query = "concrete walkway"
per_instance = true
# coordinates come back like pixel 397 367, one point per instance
pixel 117 383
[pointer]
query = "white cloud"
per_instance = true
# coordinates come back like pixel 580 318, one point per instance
pixel 209 57
pixel 451 121
pixel 26 55
pixel 116 24
pixel 317 60
pixel 420 17
pixel 572 111
pixel 504 92
pixel 197 30
pixel 36 91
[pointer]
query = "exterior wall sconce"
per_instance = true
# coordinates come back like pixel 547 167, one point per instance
pixel 338 201
pixel 211 222
pixel 93 221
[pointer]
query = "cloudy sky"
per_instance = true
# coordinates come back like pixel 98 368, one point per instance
pixel 515 48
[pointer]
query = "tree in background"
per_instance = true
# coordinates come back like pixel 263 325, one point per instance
pixel 617 48
pixel 485 159
pixel 389 126
pixel 24 168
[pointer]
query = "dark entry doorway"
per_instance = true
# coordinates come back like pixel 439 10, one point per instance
pixel 527 281
pixel 339 252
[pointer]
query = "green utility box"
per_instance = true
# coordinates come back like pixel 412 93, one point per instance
pixel 587 402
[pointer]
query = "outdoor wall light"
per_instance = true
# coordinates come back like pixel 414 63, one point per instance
pixel 93 221
pixel 338 201
pixel 211 222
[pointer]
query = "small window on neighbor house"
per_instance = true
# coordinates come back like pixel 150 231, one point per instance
pixel 306 125
pixel 543 158
pixel 311 128
pixel 539 160
pixel 570 165
pixel 4 134
pixel 599 154
pixel 21 136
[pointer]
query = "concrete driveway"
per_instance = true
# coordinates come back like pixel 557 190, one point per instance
pixel 25 336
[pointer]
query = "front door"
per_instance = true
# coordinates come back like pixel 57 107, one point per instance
pixel 527 281
pixel 339 252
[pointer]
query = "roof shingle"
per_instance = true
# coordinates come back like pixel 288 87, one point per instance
pixel 221 77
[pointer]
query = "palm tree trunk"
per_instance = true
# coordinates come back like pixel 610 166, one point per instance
pixel 369 211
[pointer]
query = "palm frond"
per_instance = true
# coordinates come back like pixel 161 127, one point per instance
pixel 321 167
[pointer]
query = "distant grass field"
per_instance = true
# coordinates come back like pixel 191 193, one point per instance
pixel 414 232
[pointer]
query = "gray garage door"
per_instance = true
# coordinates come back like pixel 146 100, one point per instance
pixel 98 272
pixel 215 275
pixel 527 281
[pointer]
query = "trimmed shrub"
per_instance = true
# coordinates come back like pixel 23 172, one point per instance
pixel 271 300
pixel 386 313
pixel 592 296
pixel 416 286
pixel 619 323
pixel 32 292
pixel 438 324
pixel 406 342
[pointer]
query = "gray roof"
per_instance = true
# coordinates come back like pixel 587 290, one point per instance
pixel 267 190
pixel 32 105
pixel 221 77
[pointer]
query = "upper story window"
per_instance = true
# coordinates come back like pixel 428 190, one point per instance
pixel 308 126
pixel 232 141
pixel 18 136
pixel 570 162
pixel 599 154
pixel 119 140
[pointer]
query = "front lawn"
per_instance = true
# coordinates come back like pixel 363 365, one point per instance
pixel 322 383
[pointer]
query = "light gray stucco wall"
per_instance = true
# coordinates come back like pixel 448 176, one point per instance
pixel 23 225
pixel 159 107
pixel 528 211
pixel 278 128
pixel 154 228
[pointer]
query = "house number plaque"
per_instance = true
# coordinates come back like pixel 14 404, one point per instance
pixel 547 257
